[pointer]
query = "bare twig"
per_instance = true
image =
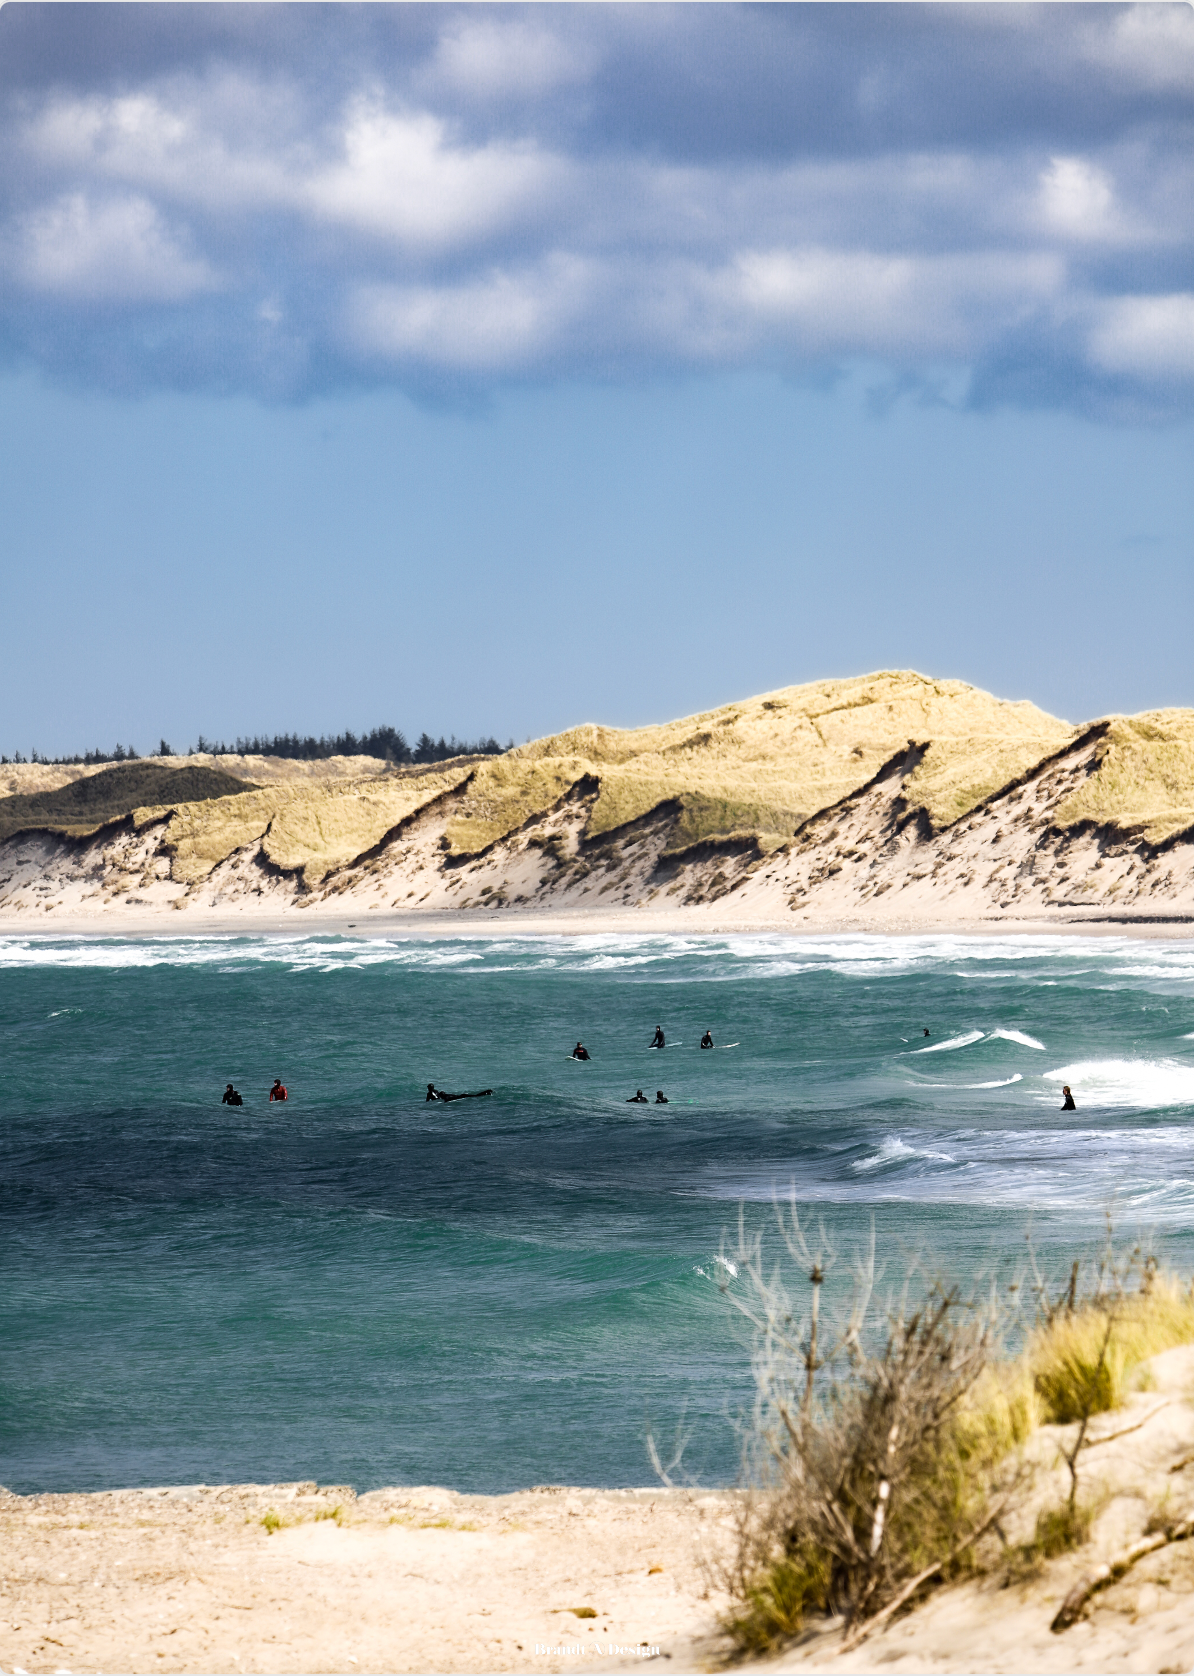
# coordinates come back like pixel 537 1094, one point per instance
pixel 1075 1602
pixel 1125 1431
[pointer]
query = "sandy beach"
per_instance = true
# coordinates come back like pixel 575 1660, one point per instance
pixel 298 1578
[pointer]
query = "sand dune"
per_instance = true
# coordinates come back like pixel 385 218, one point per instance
pixel 887 802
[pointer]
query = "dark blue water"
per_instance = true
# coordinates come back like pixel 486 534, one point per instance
pixel 360 1287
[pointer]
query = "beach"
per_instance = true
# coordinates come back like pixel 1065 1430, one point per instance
pixel 298 1578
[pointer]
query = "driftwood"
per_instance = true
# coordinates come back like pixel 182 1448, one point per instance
pixel 1074 1603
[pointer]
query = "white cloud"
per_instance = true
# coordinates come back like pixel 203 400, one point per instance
pixel 190 145
pixel 834 301
pixel 1151 337
pixel 499 321
pixel 1077 199
pixel 401 177
pixel 1152 45
pixel 396 174
pixel 491 60
pixel 115 249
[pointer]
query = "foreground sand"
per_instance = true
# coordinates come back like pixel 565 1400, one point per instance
pixel 427 1580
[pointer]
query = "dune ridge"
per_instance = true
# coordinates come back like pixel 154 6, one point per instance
pixel 830 801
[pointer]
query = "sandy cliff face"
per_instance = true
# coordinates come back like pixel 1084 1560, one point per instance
pixel 887 799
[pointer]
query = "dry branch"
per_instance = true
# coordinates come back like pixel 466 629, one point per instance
pixel 1075 1602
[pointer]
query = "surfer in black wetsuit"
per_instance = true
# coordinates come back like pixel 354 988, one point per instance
pixel 231 1097
pixel 638 1099
pixel 926 1032
pixel 660 1097
pixel 580 1051
pixel 659 1041
pixel 707 1039
pixel 1067 1102
pixel 434 1093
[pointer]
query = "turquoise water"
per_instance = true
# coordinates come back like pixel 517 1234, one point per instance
pixel 362 1288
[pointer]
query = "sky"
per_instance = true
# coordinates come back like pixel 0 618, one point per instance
pixel 491 369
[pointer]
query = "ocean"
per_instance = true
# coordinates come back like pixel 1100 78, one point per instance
pixel 360 1287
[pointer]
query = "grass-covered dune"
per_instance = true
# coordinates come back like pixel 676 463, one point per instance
pixel 82 806
pixel 752 772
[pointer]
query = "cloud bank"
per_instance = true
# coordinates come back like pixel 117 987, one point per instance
pixel 281 200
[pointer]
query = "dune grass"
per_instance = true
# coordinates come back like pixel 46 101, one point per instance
pixel 889 1451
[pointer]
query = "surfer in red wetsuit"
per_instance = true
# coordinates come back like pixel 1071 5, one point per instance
pixel 277 1092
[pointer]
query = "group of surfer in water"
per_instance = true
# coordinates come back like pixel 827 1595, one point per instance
pixel 231 1098
pixel 659 1040
pixel 580 1051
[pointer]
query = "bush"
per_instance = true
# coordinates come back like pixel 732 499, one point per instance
pixel 879 1442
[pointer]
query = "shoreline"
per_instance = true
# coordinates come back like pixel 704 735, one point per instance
pixel 578 922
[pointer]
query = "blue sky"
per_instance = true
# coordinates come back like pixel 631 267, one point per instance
pixel 490 369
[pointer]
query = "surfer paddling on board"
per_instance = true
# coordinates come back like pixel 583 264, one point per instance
pixel 659 1040
pixel 1067 1102
pixel 707 1039
pixel 277 1092
pixel 638 1099
pixel 580 1051
pixel 434 1093
pixel 230 1097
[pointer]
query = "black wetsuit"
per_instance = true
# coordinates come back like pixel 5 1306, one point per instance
pixel 231 1097
pixel 639 1099
pixel 706 1040
pixel 438 1094
pixel 659 1041
pixel 661 1098
pixel 1067 1105
pixel 579 1052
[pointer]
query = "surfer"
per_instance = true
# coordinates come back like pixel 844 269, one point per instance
pixel 659 1041
pixel 638 1099
pixel 707 1039
pixel 434 1093
pixel 1067 1101
pixel 580 1051
pixel 926 1032
pixel 277 1092
pixel 660 1097
pixel 231 1097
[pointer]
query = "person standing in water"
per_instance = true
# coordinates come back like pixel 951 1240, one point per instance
pixel 707 1039
pixel 1067 1100
pixel 277 1092
pixel 659 1039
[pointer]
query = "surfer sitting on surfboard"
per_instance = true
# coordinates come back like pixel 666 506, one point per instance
pixel 707 1039
pixel 638 1099
pixel 231 1097
pixel 580 1051
pixel 277 1092
pixel 659 1041
pixel 660 1097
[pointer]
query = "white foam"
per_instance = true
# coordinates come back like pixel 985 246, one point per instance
pixel 1128 1082
pixel 953 1042
pixel 894 1151
pixel 1005 1082
pixel 1018 1036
